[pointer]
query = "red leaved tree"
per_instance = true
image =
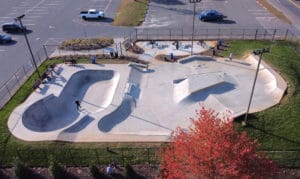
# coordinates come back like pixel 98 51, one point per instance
pixel 213 148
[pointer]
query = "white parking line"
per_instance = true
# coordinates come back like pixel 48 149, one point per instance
pixel 1 50
pixel 37 5
pixel 107 5
pixel 29 24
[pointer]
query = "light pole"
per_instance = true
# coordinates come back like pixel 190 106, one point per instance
pixel 259 52
pixel 27 42
pixel 193 1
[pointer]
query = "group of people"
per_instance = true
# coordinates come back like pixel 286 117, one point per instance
pixel 111 167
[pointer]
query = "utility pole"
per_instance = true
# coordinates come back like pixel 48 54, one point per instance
pixel 27 42
pixel 259 52
pixel 194 14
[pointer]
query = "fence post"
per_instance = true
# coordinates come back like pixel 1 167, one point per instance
pixel 123 160
pixel 17 79
pixel 8 91
pixel 265 34
pixel 136 34
pixel 274 33
pixel 256 31
pixel 286 34
pixel 45 51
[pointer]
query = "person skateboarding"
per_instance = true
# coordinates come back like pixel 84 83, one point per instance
pixel 77 102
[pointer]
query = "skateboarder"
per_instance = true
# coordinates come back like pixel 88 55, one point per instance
pixel 77 102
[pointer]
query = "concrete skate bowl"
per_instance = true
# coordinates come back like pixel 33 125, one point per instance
pixel 53 113
pixel 130 99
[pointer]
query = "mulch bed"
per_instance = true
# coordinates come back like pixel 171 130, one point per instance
pixel 143 171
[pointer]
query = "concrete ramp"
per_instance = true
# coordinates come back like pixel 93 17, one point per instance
pixel 182 88
pixel 53 113
pixel 275 85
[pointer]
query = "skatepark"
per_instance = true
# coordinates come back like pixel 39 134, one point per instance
pixel 125 103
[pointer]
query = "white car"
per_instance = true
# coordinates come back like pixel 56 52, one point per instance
pixel 92 14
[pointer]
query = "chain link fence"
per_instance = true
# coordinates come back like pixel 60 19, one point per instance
pixel 8 89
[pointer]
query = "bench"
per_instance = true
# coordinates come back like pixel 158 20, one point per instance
pixel 37 84
pixel 141 65
pixel 70 61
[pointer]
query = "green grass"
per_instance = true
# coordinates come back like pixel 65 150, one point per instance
pixel 278 127
pixel 275 129
pixel 131 13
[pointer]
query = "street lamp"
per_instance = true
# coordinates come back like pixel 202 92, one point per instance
pixel 27 42
pixel 259 52
pixel 193 1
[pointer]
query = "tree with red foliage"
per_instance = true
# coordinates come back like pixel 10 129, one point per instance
pixel 213 148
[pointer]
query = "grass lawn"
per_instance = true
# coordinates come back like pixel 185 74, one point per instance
pixel 277 129
pixel 131 13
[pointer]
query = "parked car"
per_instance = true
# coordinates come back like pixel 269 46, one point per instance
pixel 211 15
pixel 13 27
pixel 5 38
pixel 92 14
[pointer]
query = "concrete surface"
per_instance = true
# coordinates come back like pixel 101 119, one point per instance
pixel 122 103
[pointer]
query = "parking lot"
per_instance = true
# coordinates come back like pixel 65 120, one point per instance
pixel 240 14
pixel 50 21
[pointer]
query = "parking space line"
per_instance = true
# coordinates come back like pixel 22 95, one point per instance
pixel 107 6
pixel 37 5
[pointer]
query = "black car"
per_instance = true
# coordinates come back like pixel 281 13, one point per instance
pixel 13 27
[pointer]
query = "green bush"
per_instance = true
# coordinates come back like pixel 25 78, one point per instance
pixel 55 169
pixel 86 44
pixel 129 171
pixel 21 170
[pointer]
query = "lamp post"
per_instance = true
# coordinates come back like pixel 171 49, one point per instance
pixel 259 52
pixel 194 14
pixel 27 42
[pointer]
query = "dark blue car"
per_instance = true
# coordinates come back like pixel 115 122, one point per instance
pixel 210 15
pixel 5 38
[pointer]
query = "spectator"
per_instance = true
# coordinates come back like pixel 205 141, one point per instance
pixel 230 56
pixel 109 170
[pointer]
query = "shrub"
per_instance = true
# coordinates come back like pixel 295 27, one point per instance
pixel 21 170
pixel 55 169
pixel 129 171
pixel 86 44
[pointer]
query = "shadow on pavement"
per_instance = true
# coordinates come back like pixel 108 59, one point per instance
pixel 201 95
